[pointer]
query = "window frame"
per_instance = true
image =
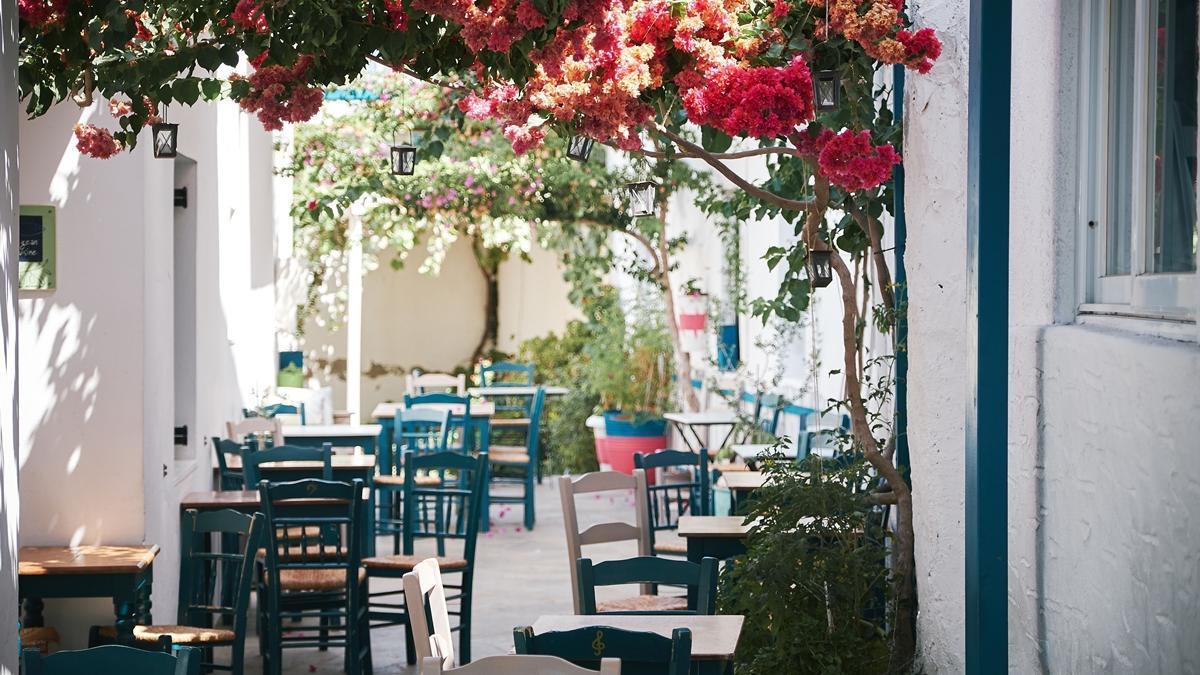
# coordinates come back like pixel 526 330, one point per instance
pixel 1141 294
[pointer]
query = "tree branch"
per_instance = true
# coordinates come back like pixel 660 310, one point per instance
pixel 740 154
pixel 884 277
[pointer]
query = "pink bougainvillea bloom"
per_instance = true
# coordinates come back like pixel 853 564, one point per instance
pixel 850 161
pixel 753 101
pixel 95 141
pixel 42 13
pixel 921 49
pixel 249 14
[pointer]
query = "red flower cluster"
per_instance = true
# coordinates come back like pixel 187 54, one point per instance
pixel 529 16
pixel 42 13
pixel 95 141
pixel 755 101
pixel 524 138
pixel 878 30
pixel 396 15
pixel 848 159
pixel 280 94
pixel 921 49
pixel 493 26
pixel 249 15
pixel 118 108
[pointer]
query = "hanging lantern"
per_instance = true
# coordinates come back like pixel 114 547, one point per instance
pixel 404 160
pixel 827 90
pixel 579 148
pixel 820 268
pixel 166 139
pixel 641 198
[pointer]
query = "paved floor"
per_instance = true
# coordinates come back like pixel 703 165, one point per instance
pixel 520 576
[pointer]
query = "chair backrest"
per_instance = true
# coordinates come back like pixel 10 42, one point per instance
pixel 425 600
pixel 667 501
pixel 449 509
pixel 252 461
pixel 602 481
pixel 532 438
pixel 313 525
pixel 199 599
pixel 702 577
pixel 824 441
pixel 506 374
pixel 112 660
pixel 640 653
pixel 427 383
pixel 224 447
pixel 253 429
pixel 767 410
pixel 519 664
pixel 422 430
pixel 441 400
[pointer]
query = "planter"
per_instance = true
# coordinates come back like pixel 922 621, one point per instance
pixel 623 439
pixel 596 424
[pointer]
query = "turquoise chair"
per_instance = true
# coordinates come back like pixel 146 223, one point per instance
pixel 464 442
pixel 667 501
pixel 640 653
pixel 448 510
pixel 313 572
pixel 231 479
pixel 279 409
pixel 506 374
pixel 423 431
pixel 111 660
pixel 767 410
pixel 699 578
pixel 517 464
pixel 252 461
pixel 199 602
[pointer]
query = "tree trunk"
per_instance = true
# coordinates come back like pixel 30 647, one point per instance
pixel 491 308
pixel 683 359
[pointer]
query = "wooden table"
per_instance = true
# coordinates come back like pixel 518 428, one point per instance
pixel 123 573
pixel 742 483
pixel 365 436
pixel 701 420
pixel 714 638
pixel 720 537
pixel 517 390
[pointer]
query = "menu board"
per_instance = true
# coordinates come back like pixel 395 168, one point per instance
pixel 35 255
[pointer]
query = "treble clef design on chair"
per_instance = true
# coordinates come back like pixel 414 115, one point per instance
pixel 311 488
pixel 598 643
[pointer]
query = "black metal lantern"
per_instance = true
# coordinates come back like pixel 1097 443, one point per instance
pixel 820 268
pixel 404 160
pixel 166 139
pixel 579 148
pixel 827 90
pixel 641 196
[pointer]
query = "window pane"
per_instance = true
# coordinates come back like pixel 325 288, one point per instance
pixel 1173 238
pixel 1121 98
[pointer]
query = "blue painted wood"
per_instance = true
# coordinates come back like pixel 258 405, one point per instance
pixel 476 434
pixel 253 459
pixel 422 430
pixel 988 132
pixel 112 660
pixel 668 501
pixel 506 374
pixel 640 653
pixel 521 473
pixel 900 235
pixel 699 578
pixel 231 479
pixel 130 593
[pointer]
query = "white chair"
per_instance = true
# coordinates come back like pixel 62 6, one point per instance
pixel 257 427
pixel 519 664
pixel 601 533
pixel 423 588
pixel 427 383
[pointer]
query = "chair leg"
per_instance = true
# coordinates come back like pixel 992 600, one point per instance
pixel 530 515
pixel 464 624
pixel 323 645
pixel 410 645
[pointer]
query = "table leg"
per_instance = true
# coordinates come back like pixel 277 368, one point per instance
pixel 372 515
pixel 31 613
pixel 125 609
pixel 144 603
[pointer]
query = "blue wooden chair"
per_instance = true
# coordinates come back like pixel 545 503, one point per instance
pixel 465 440
pixel 670 497
pixel 446 511
pixel 313 572
pixel 230 479
pixel 506 374
pixel 279 409
pixel 111 660
pixel 199 600
pixel 767 410
pixel 517 464
pixel 423 431
pixel 699 578
pixel 252 461
pixel 640 653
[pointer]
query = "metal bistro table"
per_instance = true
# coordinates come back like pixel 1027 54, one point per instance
pixel 706 420
pixel 714 638
pixel 364 436
pixel 123 573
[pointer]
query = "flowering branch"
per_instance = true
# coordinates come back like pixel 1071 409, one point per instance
pixel 741 154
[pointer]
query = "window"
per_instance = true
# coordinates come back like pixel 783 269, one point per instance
pixel 1139 148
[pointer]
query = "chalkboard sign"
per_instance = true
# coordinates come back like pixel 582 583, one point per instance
pixel 35 255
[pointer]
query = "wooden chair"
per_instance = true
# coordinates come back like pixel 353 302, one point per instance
pixel 313 572
pixel 424 431
pixel 429 615
pixel 199 602
pixel 230 479
pixel 699 578
pixel 428 383
pixel 600 533
pixel 445 511
pixel 253 431
pixel 640 653
pixel 252 461
pixel 667 500
pixel 465 441
pixel 111 660
pixel 517 465
pixel 506 374
pixel 519 664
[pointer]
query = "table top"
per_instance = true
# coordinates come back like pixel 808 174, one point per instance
pixel 722 527
pixel 336 461
pixel 752 451
pixel 52 560
pixel 744 481
pixel 331 430
pixel 702 419
pixel 237 499
pixel 521 390
pixel 714 638
pixel 387 411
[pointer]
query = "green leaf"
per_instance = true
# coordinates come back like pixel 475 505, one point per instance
pixel 211 89
pixel 229 54
pixel 434 149
pixel 714 141
pixel 209 58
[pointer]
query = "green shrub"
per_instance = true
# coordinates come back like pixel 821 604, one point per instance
pixel 566 442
